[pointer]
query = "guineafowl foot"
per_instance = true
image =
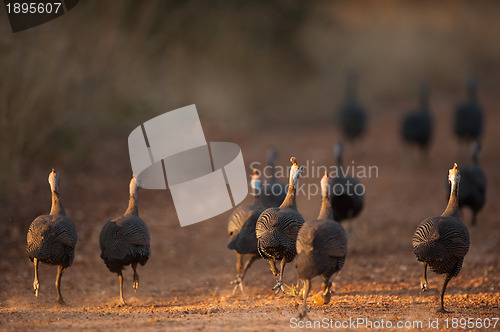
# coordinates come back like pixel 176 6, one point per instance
pixel 238 283
pixel 36 287
pixel 121 303
pixel 60 301
pixel 279 287
pixel 423 285
pixel 135 285
pixel 303 314
pixel 443 311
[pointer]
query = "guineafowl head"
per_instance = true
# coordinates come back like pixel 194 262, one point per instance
pixel 454 175
pixel 325 180
pixel 54 181
pixel 134 186
pixel 256 182
pixel 295 171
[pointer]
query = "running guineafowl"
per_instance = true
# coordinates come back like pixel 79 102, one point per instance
pixel 52 238
pixel 346 192
pixel 126 240
pixel 472 191
pixel 277 229
pixel 468 117
pixel 321 248
pixel 273 191
pixel 417 125
pixel 241 231
pixel 442 242
pixel 352 115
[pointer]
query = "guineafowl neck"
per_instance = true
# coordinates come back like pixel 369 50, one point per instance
pixel 289 200
pixel 452 208
pixel 132 207
pixel 57 207
pixel 326 211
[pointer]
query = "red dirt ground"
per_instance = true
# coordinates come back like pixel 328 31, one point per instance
pixel 185 285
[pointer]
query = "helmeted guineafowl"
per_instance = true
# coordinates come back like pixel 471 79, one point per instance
pixel 52 238
pixel 472 191
pixel 346 192
pixel 417 125
pixel 126 240
pixel 241 231
pixel 273 191
pixel 442 242
pixel 352 115
pixel 277 229
pixel 321 248
pixel 468 117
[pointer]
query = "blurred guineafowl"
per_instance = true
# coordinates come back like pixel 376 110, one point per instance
pixel 273 191
pixel 126 240
pixel 241 231
pixel 321 248
pixel 417 125
pixel 468 120
pixel 346 192
pixel 277 229
pixel 442 242
pixel 352 115
pixel 52 238
pixel 472 191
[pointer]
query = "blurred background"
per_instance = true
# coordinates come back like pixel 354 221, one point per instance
pixel 258 71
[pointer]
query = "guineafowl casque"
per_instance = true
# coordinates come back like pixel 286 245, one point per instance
pixel 346 192
pixel 442 242
pixel 241 231
pixel 277 229
pixel 472 191
pixel 321 248
pixel 273 191
pixel 126 240
pixel 52 238
pixel 352 115
pixel 417 125
pixel 468 117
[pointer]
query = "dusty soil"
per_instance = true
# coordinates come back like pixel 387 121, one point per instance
pixel 185 285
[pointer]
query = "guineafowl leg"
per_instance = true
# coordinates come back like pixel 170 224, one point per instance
pixel 423 280
pixel 120 281
pixel 135 285
pixel 279 283
pixel 60 270
pixel 473 218
pixel 36 285
pixel 241 275
pixel 239 263
pixel 303 308
pixel 327 284
pixel 447 278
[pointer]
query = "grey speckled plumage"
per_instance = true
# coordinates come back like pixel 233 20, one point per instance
pixel 321 249
pixel 472 190
pixel 277 229
pixel 352 115
pixel 468 117
pixel 346 196
pixel 52 238
pixel 417 125
pixel 126 241
pixel 442 242
pixel 241 231
pixel 273 192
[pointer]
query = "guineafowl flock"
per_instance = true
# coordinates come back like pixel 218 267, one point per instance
pixel 272 227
